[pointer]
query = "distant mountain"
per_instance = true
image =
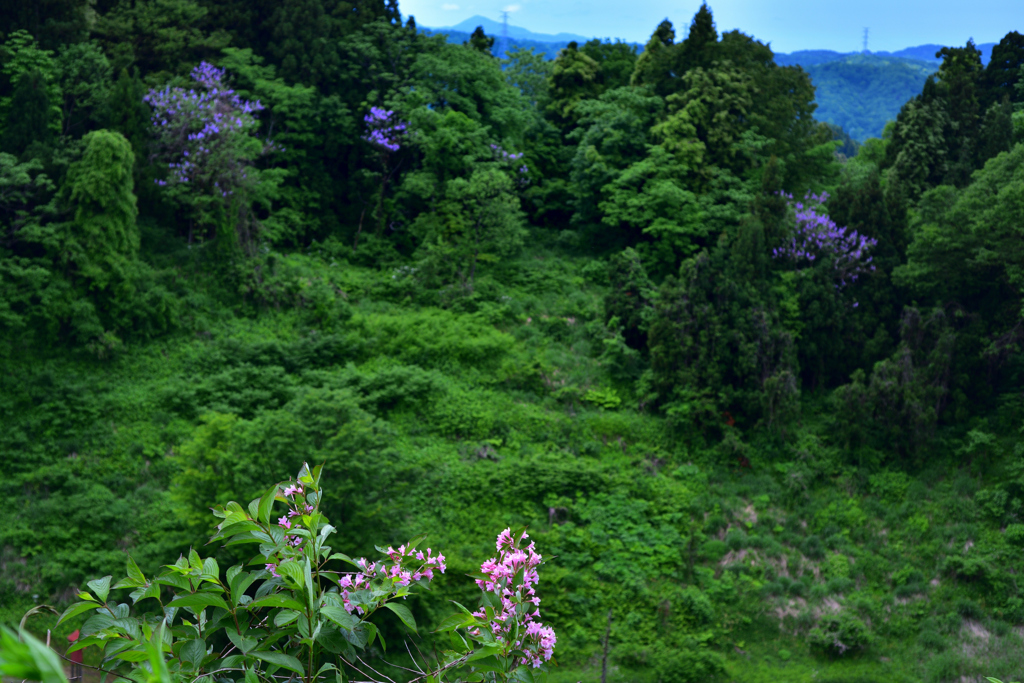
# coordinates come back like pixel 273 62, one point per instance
pixel 922 53
pixel 549 50
pixel 494 28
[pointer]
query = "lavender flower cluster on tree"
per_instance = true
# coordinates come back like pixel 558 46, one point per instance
pixel 383 130
pixel 207 135
pixel 509 157
pixel 818 238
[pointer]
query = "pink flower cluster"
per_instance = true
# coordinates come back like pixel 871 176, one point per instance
pixel 512 577
pixel 404 565
pixel 300 508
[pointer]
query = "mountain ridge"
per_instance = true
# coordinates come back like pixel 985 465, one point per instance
pixel 921 53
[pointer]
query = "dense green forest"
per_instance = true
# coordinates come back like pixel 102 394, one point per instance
pixel 861 93
pixel 758 403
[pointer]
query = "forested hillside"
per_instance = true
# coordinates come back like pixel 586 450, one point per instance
pixel 861 93
pixel 758 403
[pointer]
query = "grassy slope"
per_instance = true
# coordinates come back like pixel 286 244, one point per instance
pixel 460 422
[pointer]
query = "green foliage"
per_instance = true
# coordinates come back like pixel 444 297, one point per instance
pixel 558 302
pixel 862 92
pixel 840 635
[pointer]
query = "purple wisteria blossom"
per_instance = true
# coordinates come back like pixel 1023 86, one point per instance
pixel 509 158
pixel 818 239
pixel 383 130
pixel 207 134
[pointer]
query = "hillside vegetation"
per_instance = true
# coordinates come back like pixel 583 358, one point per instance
pixel 759 404
pixel 861 93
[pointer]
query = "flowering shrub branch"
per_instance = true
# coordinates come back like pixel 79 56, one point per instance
pixel 296 617
pixel 511 639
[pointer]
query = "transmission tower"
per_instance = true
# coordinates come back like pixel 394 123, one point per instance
pixel 866 38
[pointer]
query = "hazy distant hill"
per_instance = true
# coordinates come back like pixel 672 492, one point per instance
pixel 494 28
pixel 921 53
pixel 548 49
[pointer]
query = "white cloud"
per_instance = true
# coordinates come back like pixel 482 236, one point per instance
pixel 512 8
pixel 449 6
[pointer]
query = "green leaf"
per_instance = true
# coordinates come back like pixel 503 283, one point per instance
pixel 250 676
pixel 267 504
pixel 461 607
pixel 344 558
pixel 339 616
pixel 132 655
pixel 76 609
pixel 403 613
pixel 198 601
pixel 192 652
pixel 243 643
pixel 416 540
pixel 374 633
pixel 278 600
pixel 296 571
pixel 150 591
pixel 523 674
pixel 211 570
pixel 308 578
pixel 100 587
pixel 239 584
pixel 133 570
pixel 454 621
pixel 282 660
pixel 30 658
pixel 485 651
pixel 285 617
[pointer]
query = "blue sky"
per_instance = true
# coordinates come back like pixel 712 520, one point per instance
pixel 787 24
